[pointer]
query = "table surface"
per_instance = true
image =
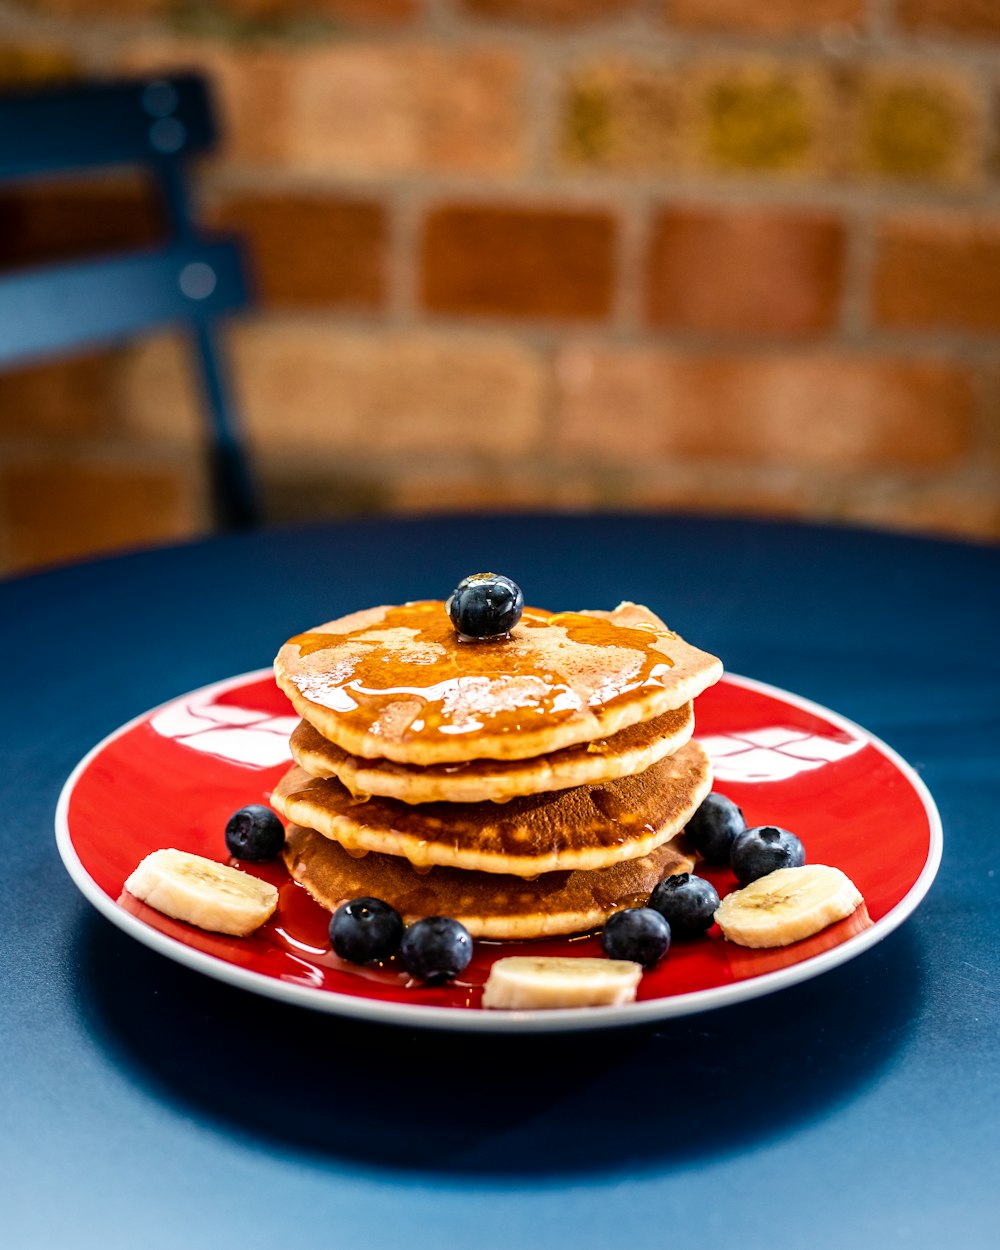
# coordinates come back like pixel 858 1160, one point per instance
pixel 144 1104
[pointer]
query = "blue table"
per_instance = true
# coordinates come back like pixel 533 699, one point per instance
pixel 144 1105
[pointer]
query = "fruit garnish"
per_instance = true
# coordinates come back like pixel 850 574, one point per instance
pixel 638 934
pixel 530 982
pixel 436 949
pixel 787 905
pixel 485 605
pixel 713 828
pixel 203 893
pixel 758 851
pixel 686 902
pixel 365 930
pixel 254 832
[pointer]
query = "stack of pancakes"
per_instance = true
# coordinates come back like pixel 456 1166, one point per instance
pixel 526 786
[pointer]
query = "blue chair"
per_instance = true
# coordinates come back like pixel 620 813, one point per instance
pixel 189 282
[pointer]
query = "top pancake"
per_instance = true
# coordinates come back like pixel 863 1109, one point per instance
pixel 398 683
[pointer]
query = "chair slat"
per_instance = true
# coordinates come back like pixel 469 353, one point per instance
pixel 52 310
pixel 131 122
pixel 56 310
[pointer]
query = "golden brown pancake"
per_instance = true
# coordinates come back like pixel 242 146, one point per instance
pixel 631 750
pixel 490 905
pixel 588 827
pixel 398 683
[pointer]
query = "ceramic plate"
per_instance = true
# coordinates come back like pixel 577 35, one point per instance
pixel 173 776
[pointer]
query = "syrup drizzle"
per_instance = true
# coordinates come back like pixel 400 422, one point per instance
pixel 412 667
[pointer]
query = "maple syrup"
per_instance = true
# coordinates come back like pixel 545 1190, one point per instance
pixel 549 668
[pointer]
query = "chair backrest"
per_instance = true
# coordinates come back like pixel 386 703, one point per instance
pixel 56 309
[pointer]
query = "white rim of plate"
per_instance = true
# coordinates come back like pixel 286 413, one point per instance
pixel 568 1019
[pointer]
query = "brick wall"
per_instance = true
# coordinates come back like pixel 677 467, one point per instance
pixel 696 254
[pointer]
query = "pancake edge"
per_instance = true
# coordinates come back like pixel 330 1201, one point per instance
pixel 498 928
pixel 362 776
pixel 423 853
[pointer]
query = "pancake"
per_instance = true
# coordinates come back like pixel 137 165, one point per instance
pixel 588 827
pixel 490 905
pixel 398 683
pixel 631 750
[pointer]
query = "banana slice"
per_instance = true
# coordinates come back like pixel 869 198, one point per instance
pixel 521 982
pixel 787 905
pixel 210 895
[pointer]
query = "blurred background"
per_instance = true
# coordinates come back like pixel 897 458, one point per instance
pixel 733 256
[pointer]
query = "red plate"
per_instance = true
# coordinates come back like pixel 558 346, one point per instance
pixel 173 776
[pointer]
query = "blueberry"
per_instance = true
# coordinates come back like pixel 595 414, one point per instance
pixel 756 852
pixel 436 949
pixel 254 832
pixel 485 605
pixel 365 929
pixel 713 827
pixel 686 902
pixel 637 933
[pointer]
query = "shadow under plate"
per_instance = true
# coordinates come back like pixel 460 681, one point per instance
pixel 631 1101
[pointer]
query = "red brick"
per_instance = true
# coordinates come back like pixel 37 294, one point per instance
pixel 309 390
pixel 778 17
pixel 695 487
pixel 68 399
pixel 56 221
pixel 516 261
pixel 949 508
pixel 407 108
pixel 157 394
pixel 834 411
pixel 732 114
pixel 310 251
pixel 945 505
pixel 252 85
pixel 757 115
pixel 550 12
pixel 115 9
pixel 359 107
pixel 622 115
pixel 970 18
pixel 61 511
pixel 938 272
pixel 314 395
pixel 30 64
pixel 478 486
pixel 362 12
pixel 747 272
pixel 990 397
pixel 913 123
